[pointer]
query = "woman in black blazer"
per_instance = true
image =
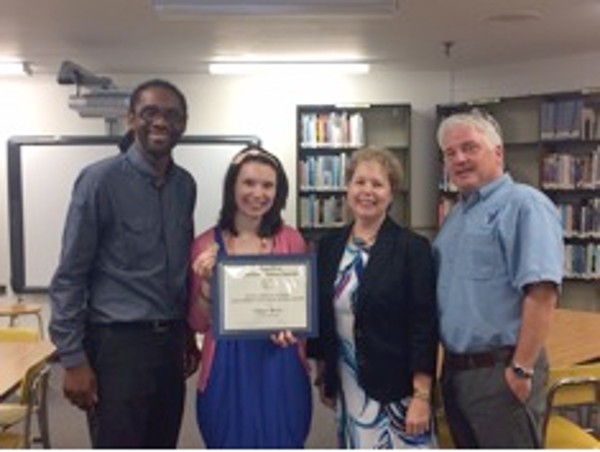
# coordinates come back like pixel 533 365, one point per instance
pixel 377 347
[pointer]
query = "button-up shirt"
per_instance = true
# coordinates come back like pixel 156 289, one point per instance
pixel 494 243
pixel 125 249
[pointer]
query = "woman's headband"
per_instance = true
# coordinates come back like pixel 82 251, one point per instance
pixel 255 152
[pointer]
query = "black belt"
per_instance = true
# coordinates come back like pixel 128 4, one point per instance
pixel 466 361
pixel 157 326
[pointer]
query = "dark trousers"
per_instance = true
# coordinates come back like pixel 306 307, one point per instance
pixel 482 411
pixel 141 384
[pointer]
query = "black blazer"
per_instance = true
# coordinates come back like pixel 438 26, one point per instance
pixel 395 327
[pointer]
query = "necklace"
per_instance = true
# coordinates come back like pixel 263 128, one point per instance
pixel 236 245
pixel 362 241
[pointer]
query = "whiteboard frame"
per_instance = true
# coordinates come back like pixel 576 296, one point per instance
pixel 18 277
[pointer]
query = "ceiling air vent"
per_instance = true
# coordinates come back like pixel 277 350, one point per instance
pixel 277 7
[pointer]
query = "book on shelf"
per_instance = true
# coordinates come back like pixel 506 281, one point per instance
pixel 547 121
pixel 588 123
pixel 322 211
pixel 324 172
pixel 581 219
pixel 575 111
pixel 565 171
pixel 332 129
pixel 582 261
pixel 564 119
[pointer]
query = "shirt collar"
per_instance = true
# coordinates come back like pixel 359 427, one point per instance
pixel 487 190
pixel 135 156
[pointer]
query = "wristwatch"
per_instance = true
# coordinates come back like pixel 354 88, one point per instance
pixel 521 371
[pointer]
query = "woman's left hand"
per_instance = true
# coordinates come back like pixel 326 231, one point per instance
pixel 418 417
pixel 284 338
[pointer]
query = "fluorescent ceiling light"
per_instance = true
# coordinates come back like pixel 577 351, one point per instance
pixel 276 7
pixel 14 68
pixel 288 68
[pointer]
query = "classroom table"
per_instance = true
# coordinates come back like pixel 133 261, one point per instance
pixel 574 338
pixel 16 358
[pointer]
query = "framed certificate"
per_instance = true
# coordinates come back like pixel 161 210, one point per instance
pixel 255 296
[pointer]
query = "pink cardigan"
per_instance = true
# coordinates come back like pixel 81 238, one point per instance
pixel 287 241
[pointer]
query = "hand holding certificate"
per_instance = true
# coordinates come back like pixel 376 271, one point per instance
pixel 260 295
pixel 204 264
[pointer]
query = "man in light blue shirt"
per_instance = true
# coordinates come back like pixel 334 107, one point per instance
pixel 500 259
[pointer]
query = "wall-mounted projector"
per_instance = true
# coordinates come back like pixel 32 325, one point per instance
pixel 102 100
pixel 101 104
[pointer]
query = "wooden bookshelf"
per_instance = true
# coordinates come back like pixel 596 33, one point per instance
pixel 326 137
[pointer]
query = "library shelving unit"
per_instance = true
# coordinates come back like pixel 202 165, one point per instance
pixel 326 137
pixel 552 142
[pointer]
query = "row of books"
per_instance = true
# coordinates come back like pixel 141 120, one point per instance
pixel 322 172
pixel 319 211
pixel 569 119
pixel 334 129
pixel 582 261
pixel 571 171
pixel 564 119
pixel 581 220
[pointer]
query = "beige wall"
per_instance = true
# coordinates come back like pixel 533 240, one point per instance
pixel 266 107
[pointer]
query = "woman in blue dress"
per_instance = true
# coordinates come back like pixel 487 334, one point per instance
pixel 252 393
pixel 377 313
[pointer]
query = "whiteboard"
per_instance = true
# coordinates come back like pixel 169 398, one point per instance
pixel 47 175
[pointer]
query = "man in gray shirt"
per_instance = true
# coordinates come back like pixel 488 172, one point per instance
pixel 119 295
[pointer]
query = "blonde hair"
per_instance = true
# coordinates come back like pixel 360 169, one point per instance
pixel 386 158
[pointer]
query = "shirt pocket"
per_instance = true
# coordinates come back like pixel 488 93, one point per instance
pixel 480 250
pixel 141 241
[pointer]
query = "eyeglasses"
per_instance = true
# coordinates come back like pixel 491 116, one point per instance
pixel 170 115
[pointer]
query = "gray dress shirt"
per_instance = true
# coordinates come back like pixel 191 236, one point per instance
pixel 125 250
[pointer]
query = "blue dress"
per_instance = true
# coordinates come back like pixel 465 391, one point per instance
pixel 258 395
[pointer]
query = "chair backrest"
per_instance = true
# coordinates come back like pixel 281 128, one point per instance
pixel 567 386
pixel 18 334
pixel 33 396
pixel 441 423
pixel 577 386
pixel 31 389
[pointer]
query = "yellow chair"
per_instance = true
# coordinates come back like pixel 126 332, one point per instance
pixel 15 415
pixel 20 309
pixel 576 389
pixel 443 431
pixel 18 334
